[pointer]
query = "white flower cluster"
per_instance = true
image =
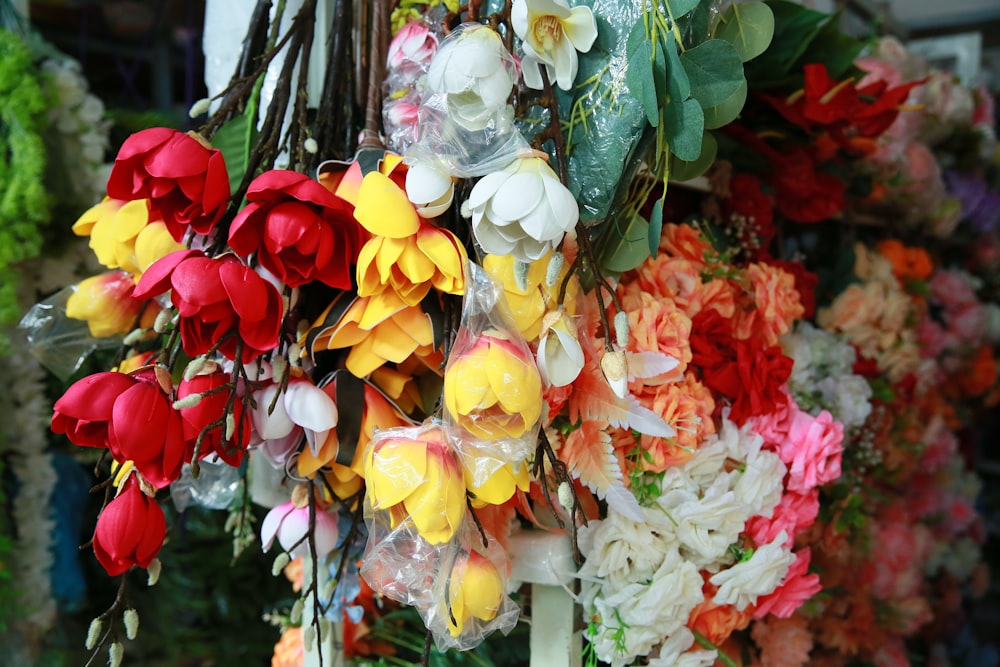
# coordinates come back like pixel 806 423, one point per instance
pixel 823 376
pixel 640 581
pixel 77 117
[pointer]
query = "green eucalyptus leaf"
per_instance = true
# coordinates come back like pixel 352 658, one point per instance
pixel 695 27
pixel 795 27
pixel 234 139
pixel 627 245
pixel 748 27
pixel 679 8
pixel 660 73
pixel 715 71
pixel 639 77
pixel 636 37
pixel 728 111
pixel 679 86
pixel 683 126
pixel 835 49
pixel 681 170
pixel 655 228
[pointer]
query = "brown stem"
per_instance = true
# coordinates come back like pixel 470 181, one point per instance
pixel 376 73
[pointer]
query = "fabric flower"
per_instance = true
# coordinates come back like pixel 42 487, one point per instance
pixel 529 302
pixel 560 355
pixel 289 524
pixel 130 531
pixel 415 473
pixel 184 180
pixel 413 45
pixel 215 298
pixel 523 210
pixel 83 412
pixel 105 303
pixel 211 408
pixel 796 588
pixel 431 190
pixel 492 388
pixel 475 73
pixel 302 408
pixel 742 584
pixel 551 34
pixel 299 230
pixel 123 236
pixel 476 590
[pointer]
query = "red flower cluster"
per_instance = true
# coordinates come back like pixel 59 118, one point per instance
pixel 130 531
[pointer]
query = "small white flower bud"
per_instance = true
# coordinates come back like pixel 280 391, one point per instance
pixel 134 336
pixel 230 426
pixel 521 274
pixel 311 146
pixel 116 652
pixel 200 107
pixel 621 329
pixel 309 637
pixel 188 401
pixel 153 572
pixel 566 496
pixel 279 564
pixel 93 633
pixel 615 369
pixel 131 619
pixel 552 271
pixel 194 367
pixel 323 628
pixel 163 320
pixel 329 588
pixel 295 616
pixel 278 366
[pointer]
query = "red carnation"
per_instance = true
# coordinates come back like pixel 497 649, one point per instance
pixel 216 298
pixel 130 530
pixel 300 230
pixel 184 180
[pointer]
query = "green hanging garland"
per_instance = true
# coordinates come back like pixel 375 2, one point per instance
pixel 24 202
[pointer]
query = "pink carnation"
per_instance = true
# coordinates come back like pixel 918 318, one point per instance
pixel 795 513
pixel 797 587
pixel 951 289
pixel 774 426
pixel 783 642
pixel 812 450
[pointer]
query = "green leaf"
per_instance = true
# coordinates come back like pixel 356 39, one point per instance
pixel 660 73
pixel 679 86
pixel 696 26
pixel 748 27
pixel 715 71
pixel 683 126
pixel 627 245
pixel 639 77
pixel 655 228
pixel 795 27
pixel 234 139
pixel 834 48
pixel 685 171
pixel 728 111
pixel 679 8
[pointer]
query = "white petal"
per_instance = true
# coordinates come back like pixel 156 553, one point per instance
pixel 518 196
pixel 541 224
pixel 519 18
pixel 557 8
pixel 565 63
pixel 495 88
pixel 486 187
pixel 327 533
pixel 530 250
pixel 434 209
pixel 426 184
pixel 571 345
pixel 564 357
pixel 563 203
pixel 275 425
pixel 531 74
pixel 488 237
pixel 581 28
pixel 292 530
pixel 310 407
pixel 272 521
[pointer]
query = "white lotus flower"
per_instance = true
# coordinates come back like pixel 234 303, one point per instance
pixel 560 356
pixel 429 189
pixel 522 210
pixel 552 33
pixel 302 408
pixel 475 73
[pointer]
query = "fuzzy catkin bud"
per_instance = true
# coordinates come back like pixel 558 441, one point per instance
pixel 309 637
pixel 230 426
pixel 554 268
pixel 521 274
pixel 200 107
pixel 116 652
pixel 621 329
pixel 323 628
pixel 134 337
pixel 280 561
pixel 163 319
pixel 130 618
pixel 566 496
pixel 278 366
pixel 93 633
pixel 188 401
pixel 153 572
pixel 311 146
pixel 194 367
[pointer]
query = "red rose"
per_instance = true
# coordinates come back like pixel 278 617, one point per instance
pixel 184 180
pixel 802 193
pixel 83 412
pixel 210 409
pixel 744 371
pixel 300 230
pixel 130 530
pixel 216 298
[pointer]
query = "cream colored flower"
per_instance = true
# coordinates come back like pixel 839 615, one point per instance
pixel 429 189
pixel 560 355
pixel 523 210
pixel 552 33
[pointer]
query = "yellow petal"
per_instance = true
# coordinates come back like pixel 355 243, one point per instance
pixel 396 469
pixel 383 208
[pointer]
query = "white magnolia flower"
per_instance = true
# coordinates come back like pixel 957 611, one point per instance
pixel 475 73
pixel 522 210
pixel 763 572
pixel 552 33
pixel 560 356
pixel 431 190
pixel 303 406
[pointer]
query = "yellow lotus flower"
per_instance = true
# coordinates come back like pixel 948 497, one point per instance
pixel 376 333
pixel 492 388
pixel 406 268
pixel 105 302
pixel 475 590
pixel 530 303
pixel 416 470
pixel 499 485
pixel 123 237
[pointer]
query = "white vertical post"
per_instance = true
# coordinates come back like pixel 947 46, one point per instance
pixel 545 560
pixel 329 646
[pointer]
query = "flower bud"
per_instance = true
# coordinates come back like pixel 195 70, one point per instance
pixel 93 633
pixel 200 107
pixel 131 620
pixel 295 616
pixel 116 652
pixel 280 561
pixel 153 572
pixel 554 268
pixel 621 329
pixel 615 368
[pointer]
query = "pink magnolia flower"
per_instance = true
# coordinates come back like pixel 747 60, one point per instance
pixel 289 524
pixel 413 45
pixel 302 409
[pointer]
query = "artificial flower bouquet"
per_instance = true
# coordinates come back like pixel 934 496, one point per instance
pixel 481 318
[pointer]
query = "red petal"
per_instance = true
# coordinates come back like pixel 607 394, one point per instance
pixel 180 156
pixel 156 279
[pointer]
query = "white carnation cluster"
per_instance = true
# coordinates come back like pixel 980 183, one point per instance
pixel 77 118
pixel 823 376
pixel 641 580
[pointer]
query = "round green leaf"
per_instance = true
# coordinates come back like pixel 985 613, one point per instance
pixel 683 125
pixel 627 246
pixel 714 70
pixel 748 27
pixel 681 7
pixel 685 171
pixel 726 112
pixel 655 227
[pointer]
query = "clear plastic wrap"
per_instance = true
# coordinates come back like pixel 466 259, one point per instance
pixel 406 64
pixel 398 563
pixel 466 124
pixel 214 488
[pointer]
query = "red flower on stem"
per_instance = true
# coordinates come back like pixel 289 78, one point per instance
pixel 211 408
pixel 130 531
pixel 300 231
pixel 217 298
pixel 184 180
pixel 84 412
